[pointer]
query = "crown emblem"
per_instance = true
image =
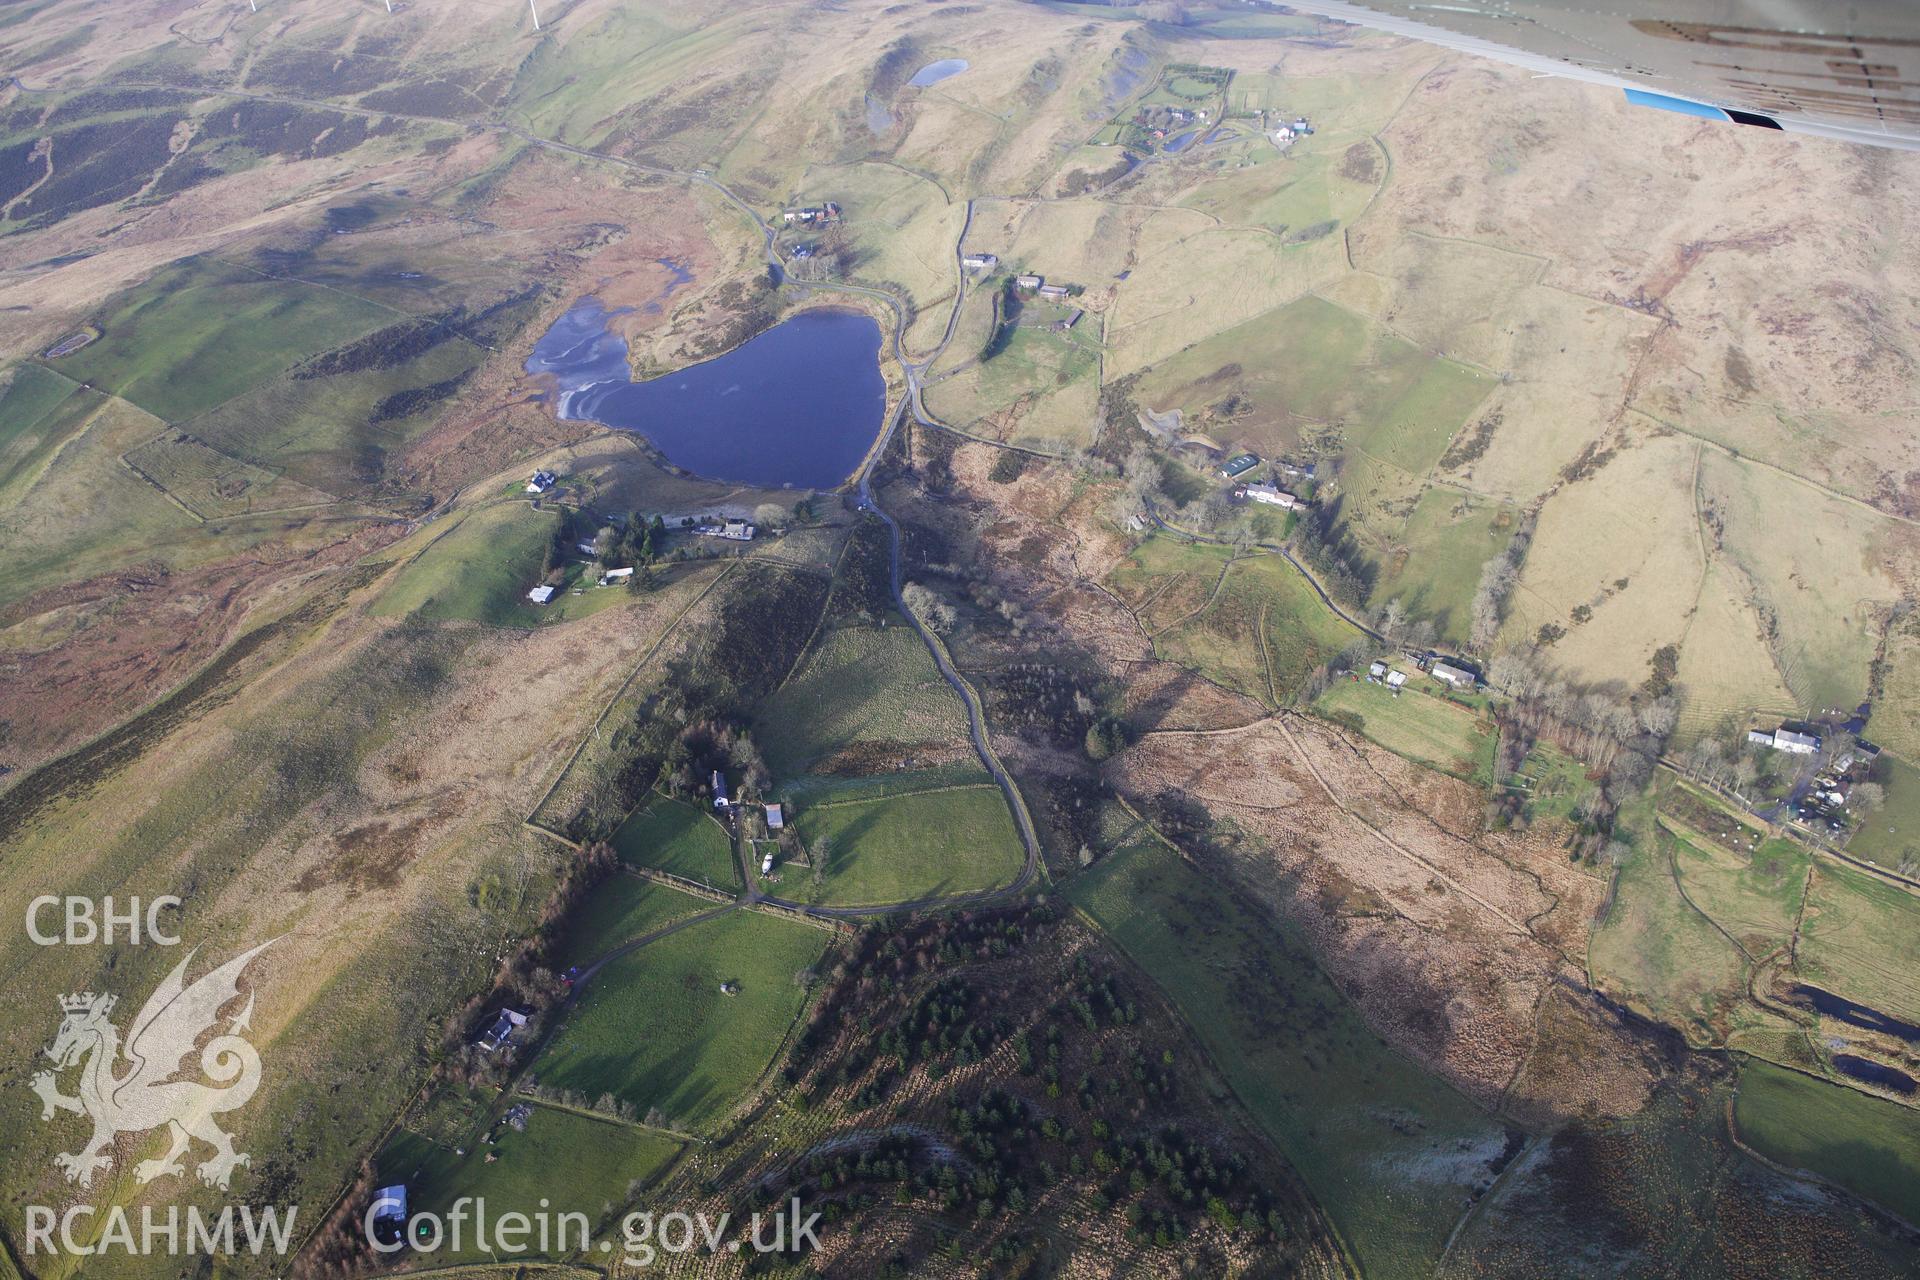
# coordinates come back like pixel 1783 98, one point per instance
pixel 85 1001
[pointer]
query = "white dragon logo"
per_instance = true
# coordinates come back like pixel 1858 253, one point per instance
pixel 146 1097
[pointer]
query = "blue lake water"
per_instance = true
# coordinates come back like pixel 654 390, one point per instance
pixel 1182 141
pixel 935 72
pixel 799 405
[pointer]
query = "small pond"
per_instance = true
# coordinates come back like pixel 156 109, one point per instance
pixel 1859 1015
pixel 797 406
pixel 935 72
pixel 1875 1073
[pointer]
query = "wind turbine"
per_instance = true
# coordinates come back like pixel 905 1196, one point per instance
pixel 536 14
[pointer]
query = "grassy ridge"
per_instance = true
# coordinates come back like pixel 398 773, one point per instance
pixel 479 570
pixel 200 332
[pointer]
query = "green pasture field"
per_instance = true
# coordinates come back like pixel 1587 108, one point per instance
pixel 482 569
pixel 1756 898
pixel 1041 390
pixel 1866 1144
pixel 75 510
pixel 680 837
pixel 1310 361
pixel 1291 194
pixel 619 909
pixel 201 332
pixel 806 789
pixel 1891 832
pixel 1388 1151
pixel 655 1029
pixel 334 432
pixel 575 1163
pixel 29 398
pixel 216 485
pixel 1860 938
pixel 906 847
pixel 1433 564
pixel 858 685
pixel 1262 635
pixel 1419 725
pixel 1658 953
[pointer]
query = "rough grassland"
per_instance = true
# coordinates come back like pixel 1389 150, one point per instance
pixel 1818 575
pixel 673 835
pixel 1659 954
pixel 620 909
pixel 201 332
pixel 906 847
pixel 1041 390
pixel 1420 725
pixel 1892 832
pixel 481 570
pixel 858 685
pixel 1633 519
pixel 1389 1152
pixel 332 432
pixel 30 396
pixel 1433 566
pixel 1262 634
pixel 1861 939
pixel 215 485
pixel 1866 1144
pixel 578 1163
pixel 655 1030
pixel 1313 362
pixel 1196 280
pixel 79 511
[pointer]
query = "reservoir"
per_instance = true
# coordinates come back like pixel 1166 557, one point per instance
pixel 935 72
pixel 797 406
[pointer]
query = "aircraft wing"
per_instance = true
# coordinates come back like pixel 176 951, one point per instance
pixel 1827 67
